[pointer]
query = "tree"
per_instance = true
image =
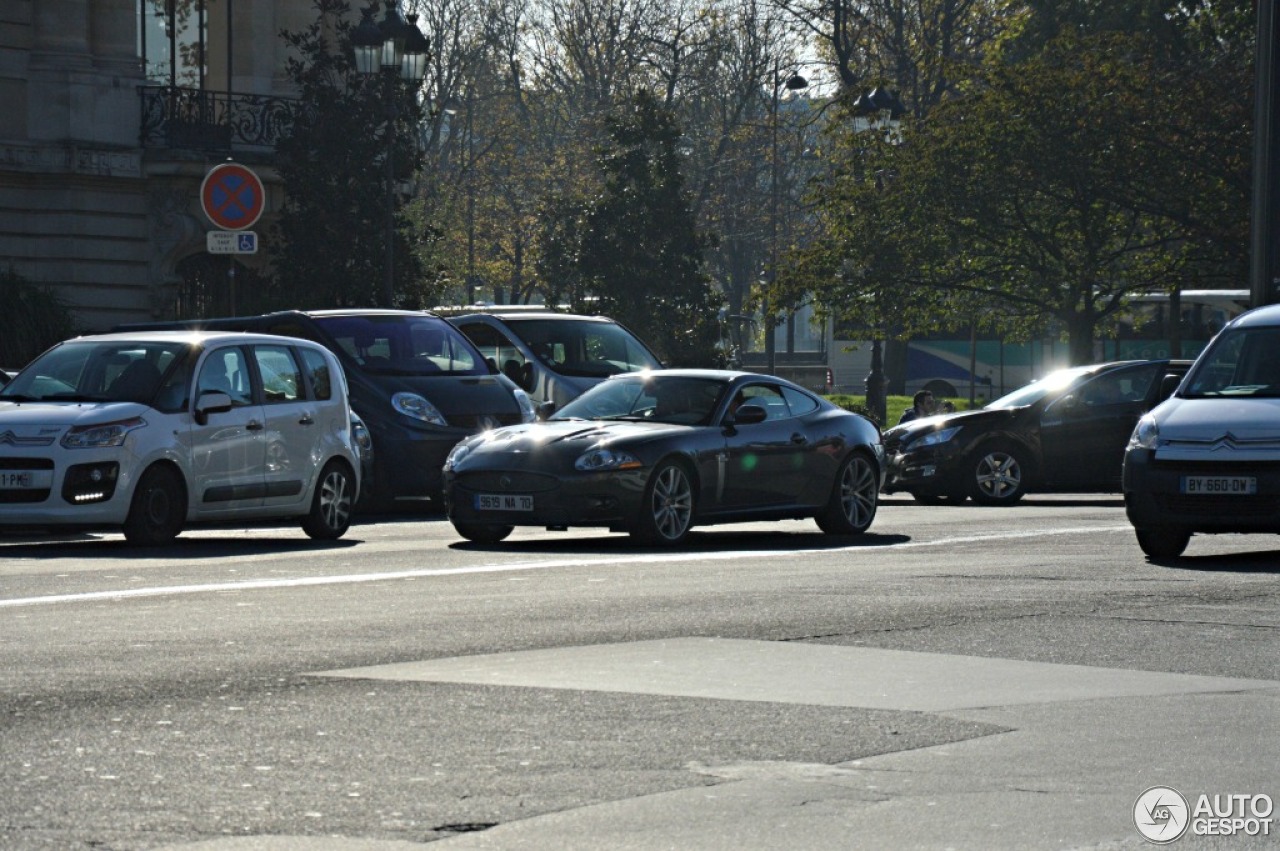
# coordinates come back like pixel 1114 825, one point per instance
pixel 1022 200
pixel 33 319
pixel 635 245
pixel 331 236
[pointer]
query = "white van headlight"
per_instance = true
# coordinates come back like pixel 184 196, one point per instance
pixel 1145 434
pixel 413 405
pixel 528 412
pixel 98 436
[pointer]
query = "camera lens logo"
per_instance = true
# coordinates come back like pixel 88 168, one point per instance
pixel 1161 814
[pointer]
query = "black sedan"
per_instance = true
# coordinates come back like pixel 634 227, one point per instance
pixel 1065 432
pixel 656 453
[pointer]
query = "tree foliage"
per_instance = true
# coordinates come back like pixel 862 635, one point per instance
pixel 635 246
pixel 33 319
pixel 1049 190
pixel 329 242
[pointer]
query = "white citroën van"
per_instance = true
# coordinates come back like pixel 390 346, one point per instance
pixel 1207 460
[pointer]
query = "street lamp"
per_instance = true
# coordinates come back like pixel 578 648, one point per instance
pixel 394 48
pixel 793 83
pixel 878 109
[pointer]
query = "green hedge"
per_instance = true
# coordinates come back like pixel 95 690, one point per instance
pixel 894 405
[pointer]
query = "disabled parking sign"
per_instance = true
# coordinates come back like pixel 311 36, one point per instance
pixel 232 196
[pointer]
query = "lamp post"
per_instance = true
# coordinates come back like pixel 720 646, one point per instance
pixel 394 48
pixel 793 83
pixel 876 109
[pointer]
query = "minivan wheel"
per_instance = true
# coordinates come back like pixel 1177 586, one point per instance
pixel 997 475
pixel 158 508
pixel 483 533
pixel 330 514
pixel 1163 542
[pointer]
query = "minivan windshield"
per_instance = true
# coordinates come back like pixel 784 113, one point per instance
pixel 1240 362
pixel 88 371
pixel 584 348
pixel 404 345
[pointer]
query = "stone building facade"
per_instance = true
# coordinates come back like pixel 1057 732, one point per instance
pixel 111 114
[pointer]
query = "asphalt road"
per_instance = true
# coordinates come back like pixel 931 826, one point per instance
pixel 958 677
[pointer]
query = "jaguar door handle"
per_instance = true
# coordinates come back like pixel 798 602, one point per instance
pixel 253 425
pixel 306 420
pixel 799 439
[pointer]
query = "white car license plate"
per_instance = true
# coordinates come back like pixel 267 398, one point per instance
pixel 504 502
pixel 1230 485
pixel 17 481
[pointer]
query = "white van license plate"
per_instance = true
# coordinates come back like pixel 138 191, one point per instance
pixel 1229 485
pixel 504 502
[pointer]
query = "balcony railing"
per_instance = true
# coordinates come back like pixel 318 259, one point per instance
pixel 218 122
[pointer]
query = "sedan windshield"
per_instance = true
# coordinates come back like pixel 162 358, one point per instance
pixel 404 345
pixel 1240 362
pixel 648 397
pixel 1054 382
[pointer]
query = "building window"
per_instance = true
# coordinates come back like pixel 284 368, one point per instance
pixel 172 40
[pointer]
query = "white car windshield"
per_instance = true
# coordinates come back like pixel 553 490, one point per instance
pixel 584 348
pixel 86 371
pixel 1240 362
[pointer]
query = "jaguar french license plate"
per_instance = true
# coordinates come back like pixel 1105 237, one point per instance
pixel 1228 485
pixel 504 502
pixel 19 481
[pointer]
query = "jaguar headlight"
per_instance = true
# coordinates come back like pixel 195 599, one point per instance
pixel 103 435
pixel 936 438
pixel 601 459
pixel 457 453
pixel 528 411
pixel 415 406
pixel 1146 434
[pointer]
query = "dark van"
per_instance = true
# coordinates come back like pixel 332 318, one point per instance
pixel 417 382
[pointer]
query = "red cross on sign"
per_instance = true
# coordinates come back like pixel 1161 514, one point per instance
pixel 232 196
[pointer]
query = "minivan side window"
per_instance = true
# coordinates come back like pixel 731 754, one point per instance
pixel 227 371
pixel 281 378
pixel 317 369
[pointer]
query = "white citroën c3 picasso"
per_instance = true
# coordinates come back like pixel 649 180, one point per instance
pixel 152 431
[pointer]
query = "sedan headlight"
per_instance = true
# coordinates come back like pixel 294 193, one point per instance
pixel 457 453
pixel 935 438
pixel 528 411
pixel 1146 434
pixel 413 405
pixel 103 435
pixel 600 459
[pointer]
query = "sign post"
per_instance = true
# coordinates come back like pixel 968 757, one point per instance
pixel 233 198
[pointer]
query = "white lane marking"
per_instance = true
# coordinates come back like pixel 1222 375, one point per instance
pixel 653 558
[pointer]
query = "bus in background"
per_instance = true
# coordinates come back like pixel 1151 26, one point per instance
pixel 1147 333
pixel 960 365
